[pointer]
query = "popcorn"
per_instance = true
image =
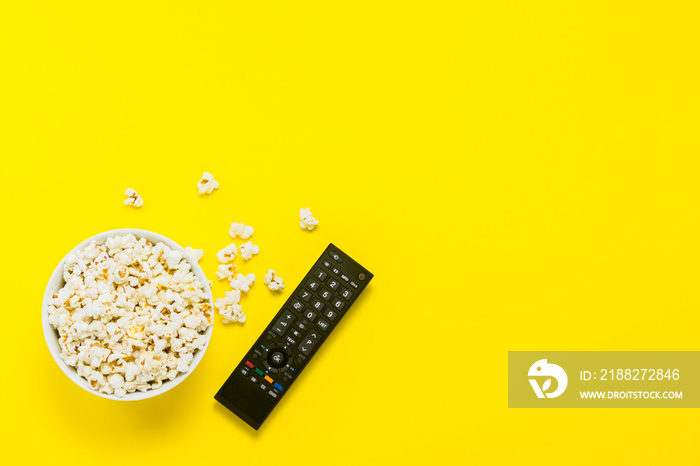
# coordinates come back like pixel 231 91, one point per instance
pixel 227 254
pixel 131 314
pixel 307 219
pixel 229 307
pixel 242 282
pixel 238 229
pixel 195 255
pixel 248 249
pixel 272 281
pixel 132 198
pixel 207 184
pixel 226 271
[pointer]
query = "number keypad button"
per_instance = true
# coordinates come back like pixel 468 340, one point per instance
pixel 325 294
pixel 320 274
pixel 330 314
pixel 305 295
pixel 334 284
pixel 318 305
pixel 338 304
pixel 345 293
pixel 313 284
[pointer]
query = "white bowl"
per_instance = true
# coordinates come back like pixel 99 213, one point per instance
pixel 51 335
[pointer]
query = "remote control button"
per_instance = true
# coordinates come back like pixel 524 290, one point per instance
pixel 325 294
pixel 268 378
pixel 345 277
pixel 296 304
pixel 305 295
pixel 334 284
pixel 318 305
pixel 272 394
pixel 338 304
pixel 311 315
pixel 323 324
pixel 345 293
pixel 263 386
pixel 313 284
pixel 296 333
pixel 278 386
pixel 309 342
pixel 335 271
pixel 320 274
pixel 354 285
pixel 249 364
pixel 245 372
pixel 291 340
pixel 301 326
pixel 335 256
pixel 258 371
pixel 330 314
pixel 327 264
pixel 277 358
pixel 254 379
pixel 283 323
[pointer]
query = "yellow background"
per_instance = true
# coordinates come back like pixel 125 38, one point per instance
pixel 517 175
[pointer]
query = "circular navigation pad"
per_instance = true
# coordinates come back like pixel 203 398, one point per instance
pixel 277 358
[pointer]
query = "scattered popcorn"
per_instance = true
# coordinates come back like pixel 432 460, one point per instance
pixel 248 249
pixel 238 229
pixel 307 219
pixel 230 308
pixel 272 281
pixel 207 184
pixel 195 255
pixel 227 254
pixel 226 271
pixel 131 314
pixel 132 198
pixel 242 282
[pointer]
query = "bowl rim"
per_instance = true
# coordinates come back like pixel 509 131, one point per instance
pixel 56 282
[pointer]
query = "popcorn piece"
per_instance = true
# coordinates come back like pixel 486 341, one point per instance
pixel 226 271
pixel 195 254
pixel 132 198
pixel 242 282
pixel 120 274
pixel 127 306
pixel 307 219
pixel 207 184
pixel 248 249
pixel 238 229
pixel 229 307
pixel 227 254
pixel 272 281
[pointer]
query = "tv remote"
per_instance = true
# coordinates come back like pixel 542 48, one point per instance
pixel 295 334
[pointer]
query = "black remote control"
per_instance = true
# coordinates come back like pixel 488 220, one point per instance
pixel 298 330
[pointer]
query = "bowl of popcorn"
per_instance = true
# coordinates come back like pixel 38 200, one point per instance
pixel 128 314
